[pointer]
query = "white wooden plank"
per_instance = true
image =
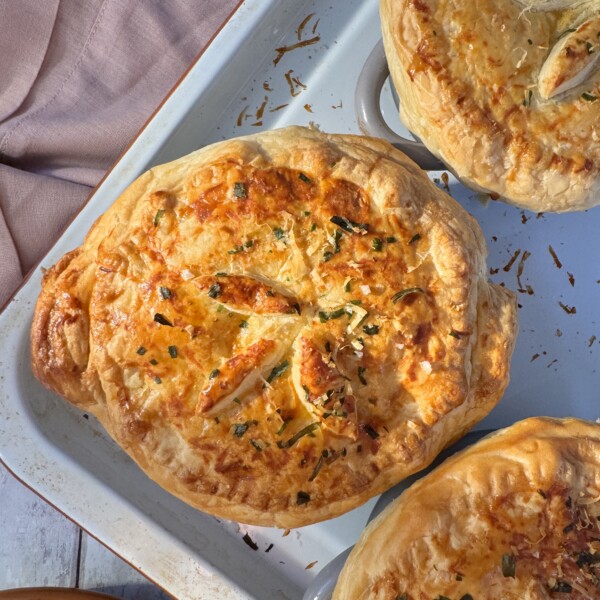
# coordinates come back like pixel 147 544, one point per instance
pixel 38 545
pixel 102 571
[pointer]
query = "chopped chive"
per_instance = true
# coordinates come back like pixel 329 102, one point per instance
pixel 249 244
pixel 239 190
pixel 347 287
pixel 302 498
pixel 313 226
pixel 153 362
pixel 407 292
pixel 173 351
pixel 282 428
pixel 278 233
pixel 160 318
pixel 221 274
pixel 589 97
pixel 391 239
pixel 214 373
pixel 371 432
pixel 256 445
pixel 237 400
pixel 414 238
pixel 141 351
pixel 243 324
pixel 278 371
pixel 306 213
pixel 327 256
pixel 349 226
pixel 508 565
pixel 317 468
pixel 215 290
pixel 157 380
pixel 371 329
pixel 308 430
pixel 304 178
pixel 325 316
pixel 361 375
pixel 158 216
pixel 165 292
pixel 236 250
pixel 377 244
pixel 239 429
pixel 306 391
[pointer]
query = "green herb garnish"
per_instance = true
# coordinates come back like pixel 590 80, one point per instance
pixel 308 430
pixel 239 190
pixel 327 256
pixel 377 244
pixel 141 351
pixel 325 316
pixel 215 290
pixel 361 375
pixel 349 226
pixel 304 178
pixel 236 250
pixel 407 292
pixel 278 233
pixel 237 400
pixel 243 324
pixel 347 287
pixel 589 97
pixel 157 380
pixel 302 498
pixel 371 329
pixel 391 239
pixel 214 373
pixel 414 238
pixel 165 292
pixel 158 216
pixel 256 445
pixel 278 371
pixel 160 318
pixel 173 351
pixel 371 432
pixel 317 468
pixel 508 565
pixel 239 429
pixel 153 362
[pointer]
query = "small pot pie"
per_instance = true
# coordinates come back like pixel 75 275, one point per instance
pixel 516 516
pixel 278 327
pixel 505 92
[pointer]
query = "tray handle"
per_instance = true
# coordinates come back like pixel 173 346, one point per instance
pixel 368 111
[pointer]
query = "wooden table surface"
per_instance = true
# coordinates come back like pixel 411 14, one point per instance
pixel 40 547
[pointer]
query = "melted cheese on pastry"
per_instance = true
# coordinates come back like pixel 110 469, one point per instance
pixel 506 92
pixel 514 517
pixel 278 327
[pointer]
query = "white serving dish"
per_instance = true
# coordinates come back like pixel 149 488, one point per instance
pixel 71 462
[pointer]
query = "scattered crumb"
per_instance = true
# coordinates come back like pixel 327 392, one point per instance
pixel 591 341
pixel 308 108
pixel 493 271
pixel 267 87
pixel 570 310
pixel 494 238
pixel 446 182
pixel 521 266
pixel 554 257
pixel 558 333
pixel 261 109
pixel 524 217
pixel 571 279
pixel 286 532
pixel 241 116
pixel 315 26
pixel 551 363
pixel 512 261
pixel 340 105
pixel 310 565
pixel 250 542
pixel 269 548
pixel 302 25
pixel 278 107
pixel 285 49
pixel 534 357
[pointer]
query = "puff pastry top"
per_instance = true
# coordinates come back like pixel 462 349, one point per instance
pixel 514 517
pixel 506 92
pixel 278 327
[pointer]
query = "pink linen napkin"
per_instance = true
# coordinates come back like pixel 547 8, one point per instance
pixel 78 79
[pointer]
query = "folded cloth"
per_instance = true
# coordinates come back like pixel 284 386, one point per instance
pixel 78 79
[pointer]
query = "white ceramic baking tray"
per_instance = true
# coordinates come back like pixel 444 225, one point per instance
pixel 239 87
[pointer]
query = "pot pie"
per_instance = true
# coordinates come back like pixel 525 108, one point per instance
pixel 516 516
pixel 505 92
pixel 277 328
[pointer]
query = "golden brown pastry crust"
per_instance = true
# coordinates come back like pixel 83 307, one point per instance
pixel 527 496
pixel 235 323
pixel 467 74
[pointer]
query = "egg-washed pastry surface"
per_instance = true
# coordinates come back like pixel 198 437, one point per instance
pixel 514 517
pixel 506 92
pixel 278 327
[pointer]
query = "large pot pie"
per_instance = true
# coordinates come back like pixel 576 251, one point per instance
pixel 278 327
pixel 514 517
pixel 505 92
